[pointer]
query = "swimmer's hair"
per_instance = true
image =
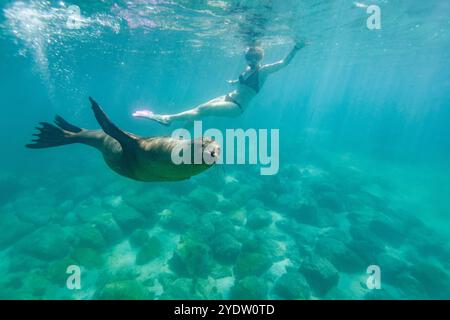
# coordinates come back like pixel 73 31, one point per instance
pixel 254 51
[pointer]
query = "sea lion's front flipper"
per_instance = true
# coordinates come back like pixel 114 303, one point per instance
pixel 126 140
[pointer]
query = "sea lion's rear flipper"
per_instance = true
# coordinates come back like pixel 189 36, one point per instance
pixel 51 136
pixel 126 140
pixel 63 124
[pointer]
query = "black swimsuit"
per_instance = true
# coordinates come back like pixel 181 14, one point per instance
pixel 252 81
pixel 230 99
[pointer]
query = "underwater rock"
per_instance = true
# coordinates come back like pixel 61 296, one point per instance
pixel 258 218
pixel 47 243
pixel 226 205
pixel 179 216
pixel 292 285
pixel 238 217
pixel 68 218
pixel 149 201
pixel 23 262
pixel 56 271
pixel 89 236
pixel 271 187
pixel 361 218
pixel 203 198
pixel 321 185
pixel 78 187
pixel 249 288
pixel 108 227
pixel 114 275
pixel 240 194
pixel 112 202
pixel 150 250
pixel 292 172
pixel 337 233
pixel 366 244
pixel 309 214
pixel 410 287
pixel 87 257
pixel 36 284
pixel 123 290
pixel 342 257
pixel 279 268
pixel 251 263
pixel 220 271
pixel 320 274
pixel 435 279
pixel 29 211
pixel 388 229
pixel 253 204
pixel 166 278
pixel 10 283
pixel 288 226
pixel 179 289
pixel 222 224
pixel 225 248
pixel 253 243
pixel 12 229
pixel 128 219
pixel 269 243
pixel 272 200
pixel 392 266
pixel 89 211
pixel 262 241
pixel 205 227
pixel 191 259
pixel 427 243
pixel 207 289
pixel 138 238
pixel 331 201
pixel 285 202
pixel 203 231
pixel 242 235
pixel 303 234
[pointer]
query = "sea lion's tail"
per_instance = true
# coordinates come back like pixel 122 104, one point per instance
pixel 50 135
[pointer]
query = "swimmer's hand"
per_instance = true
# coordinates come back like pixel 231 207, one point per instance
pixel 301 43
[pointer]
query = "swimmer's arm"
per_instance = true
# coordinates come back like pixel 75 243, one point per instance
pixel 277 66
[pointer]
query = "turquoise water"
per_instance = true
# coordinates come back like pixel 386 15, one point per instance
pixel 364 124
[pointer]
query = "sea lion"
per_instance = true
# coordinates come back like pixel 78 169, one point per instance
pixel 138 158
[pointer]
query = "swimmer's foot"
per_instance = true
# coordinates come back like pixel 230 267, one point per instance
pixel 147 114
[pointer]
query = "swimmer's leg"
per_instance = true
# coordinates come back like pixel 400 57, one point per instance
pixel 218 107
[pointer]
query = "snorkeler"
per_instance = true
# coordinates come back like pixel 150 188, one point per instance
pixel 235 103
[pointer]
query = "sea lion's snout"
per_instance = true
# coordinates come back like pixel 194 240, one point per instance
pixel 215 153
pixel 211 151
